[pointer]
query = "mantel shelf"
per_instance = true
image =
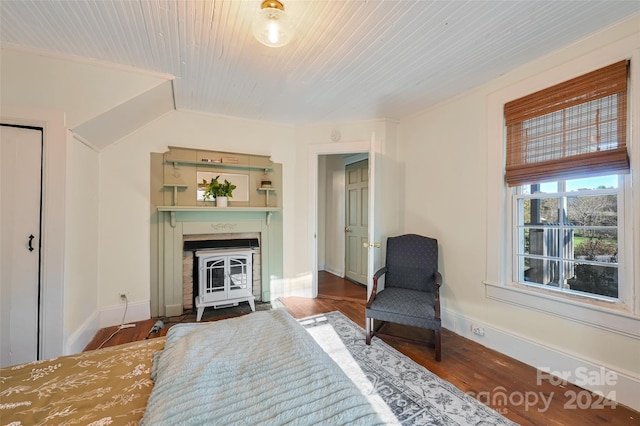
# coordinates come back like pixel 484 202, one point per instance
pixel 220 164
pixel 177 209
pixel 216 209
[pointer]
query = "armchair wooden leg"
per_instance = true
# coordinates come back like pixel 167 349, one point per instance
pixel 368 325
pixel 437 344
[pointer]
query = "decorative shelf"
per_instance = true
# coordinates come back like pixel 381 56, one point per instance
pixel 173 209
pixel 266 193
pixel 177 162
pixel 175 187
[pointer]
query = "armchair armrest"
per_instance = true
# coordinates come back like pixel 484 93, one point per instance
pixel 380 272
pixel 438 281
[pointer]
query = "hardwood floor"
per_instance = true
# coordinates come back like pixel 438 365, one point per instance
pixel 333 287
pixel 505 384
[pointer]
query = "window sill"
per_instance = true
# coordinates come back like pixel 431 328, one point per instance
pixel 594 314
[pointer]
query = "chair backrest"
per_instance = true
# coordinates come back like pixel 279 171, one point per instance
pixel 411 262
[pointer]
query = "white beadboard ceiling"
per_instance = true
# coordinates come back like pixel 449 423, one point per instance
pixel 350 60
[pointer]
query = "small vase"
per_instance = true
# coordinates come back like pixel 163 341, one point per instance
pixel 221 201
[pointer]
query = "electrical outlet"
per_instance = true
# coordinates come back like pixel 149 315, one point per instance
pixel 478 331
pixel 123 295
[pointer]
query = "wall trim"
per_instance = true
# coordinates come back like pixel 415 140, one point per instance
pixel 539 355
pixel 335 271
pixel 313 152
pixel 84 141
pixel 112 315
pixel 105 317
pixel 82 336
pixel 611 320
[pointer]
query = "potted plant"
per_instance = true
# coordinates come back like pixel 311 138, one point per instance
pixel 220 191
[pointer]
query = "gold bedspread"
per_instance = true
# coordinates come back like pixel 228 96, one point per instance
pixel 102 387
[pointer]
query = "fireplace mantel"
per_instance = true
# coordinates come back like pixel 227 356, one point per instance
pixel 172 217
pixel 175 209
pixel 171 225
pixel 217 209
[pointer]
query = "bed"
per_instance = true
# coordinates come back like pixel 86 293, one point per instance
pixel 261 368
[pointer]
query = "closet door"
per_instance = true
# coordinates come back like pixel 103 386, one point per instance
pixel 20 213
pixel 356 221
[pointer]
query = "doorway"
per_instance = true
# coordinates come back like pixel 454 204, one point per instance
pixel 341 257
pixel 384 217
pixel 21 151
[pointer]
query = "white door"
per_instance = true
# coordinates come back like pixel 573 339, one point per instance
pixel 20 212
pixel 356 221
pixel 383 208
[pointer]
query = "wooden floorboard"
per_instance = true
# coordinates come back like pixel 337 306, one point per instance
pixel 331 286
pixel 473 368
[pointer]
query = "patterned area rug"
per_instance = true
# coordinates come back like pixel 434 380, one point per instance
pixel 403 391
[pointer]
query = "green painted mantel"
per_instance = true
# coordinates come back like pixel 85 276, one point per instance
pixel 175 213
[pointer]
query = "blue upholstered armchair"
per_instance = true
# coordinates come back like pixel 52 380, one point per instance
pixel 411 294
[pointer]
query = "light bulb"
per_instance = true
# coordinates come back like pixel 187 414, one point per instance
pixel 273 32
pixel 271 25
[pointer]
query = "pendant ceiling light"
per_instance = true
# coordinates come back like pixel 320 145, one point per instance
pixel 272 26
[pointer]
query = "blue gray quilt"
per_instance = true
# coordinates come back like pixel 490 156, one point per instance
pixel 261 368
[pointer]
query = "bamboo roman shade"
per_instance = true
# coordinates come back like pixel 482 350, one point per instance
pixel 573 129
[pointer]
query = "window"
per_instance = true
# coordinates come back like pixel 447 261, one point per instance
pixel 568 235
pixel 567 157
pixel 506 200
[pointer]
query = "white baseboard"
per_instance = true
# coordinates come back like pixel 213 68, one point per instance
pixel 82 336
pixel 621 386
pixel 105 317
pixel 335 271
pixel 136 311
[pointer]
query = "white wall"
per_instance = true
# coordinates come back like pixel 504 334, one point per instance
pixel 445 151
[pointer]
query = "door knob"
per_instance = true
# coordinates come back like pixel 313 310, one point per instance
pixel 347 229
pixel 371 245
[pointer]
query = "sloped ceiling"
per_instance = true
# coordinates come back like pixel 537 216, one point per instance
pixel 127 117
pixel 83 90
pixel 349 60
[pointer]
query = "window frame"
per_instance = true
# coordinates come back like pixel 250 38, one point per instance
pixel 624 295
pixel 622 317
